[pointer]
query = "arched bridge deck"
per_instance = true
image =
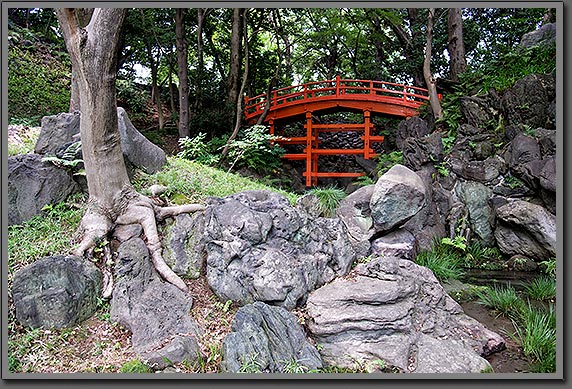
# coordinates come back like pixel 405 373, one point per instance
pixel 301 101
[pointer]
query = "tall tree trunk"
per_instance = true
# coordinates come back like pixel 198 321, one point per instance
pixel 456 45
pixel 181 43
pixel 238 112
pixel 153 65
pixel 200 58
pixel 94 53
pixel 429 79
pixel 83 15
pixel 414 22
pixel 235 58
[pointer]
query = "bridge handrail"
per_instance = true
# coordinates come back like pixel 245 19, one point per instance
pixel 404 94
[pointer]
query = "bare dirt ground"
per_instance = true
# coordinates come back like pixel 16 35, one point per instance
pixel 510 360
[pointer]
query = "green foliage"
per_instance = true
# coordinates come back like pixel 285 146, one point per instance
pixel 444 260
pixel 250 364
pixel 458 242
pixel 503 299
pixel 442 169
pixel 479 257
pixel 25 143
pixel 68 159
pixel 541 288
pixel 329 199
pixel 451 113
pixel 502 72
pixel 254 149
pixel 38 83
pixel 536 332
pixel 293 366
pixel 135 366
pixel 364 181
pixel 45 234
pixel 196 149
pixel 192 182
pixel 513 182
pixel 130 96
pixel 549 267
pixel 387 161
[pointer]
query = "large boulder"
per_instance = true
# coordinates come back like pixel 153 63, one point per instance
pixel 413 127
pixel 527 229
pixel 260 248
pixel 62 129
pixel 421 151
pixel 269 337
pixel 137 149
pixel 57 131
pixel 156 312
pixel 545 35
pixel 56 292
pixel 527 102
pixel 475 197
pixel 32 184
pixel 394 310
pixel 398 244
pixel 355 215
pixel 398 195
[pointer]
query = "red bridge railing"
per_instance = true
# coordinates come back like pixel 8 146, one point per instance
pixel 337 89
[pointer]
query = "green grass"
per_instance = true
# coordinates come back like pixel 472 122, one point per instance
pixel 329 199
pixel 191 182
pixel 46 234
pixel 542 288
pixel 135 366
pixel 443 260
pixel 503 299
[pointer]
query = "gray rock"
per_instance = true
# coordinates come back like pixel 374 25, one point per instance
pixel 481 171
pixel 57 130
pixel 546 34
pixel 56 292
pixel 398 195
pixel 156 312
pixel 421 151
pixel 526 228
pixel 137 149
pixel 399 244
pixel 477 111
pixel 355 215
pixel 413 127
pixel 259 248
pixel 395 310
pixel 32 184
pixel 547 175
pixel 527 102
pixel 310 204
pixel 183 244
pixel 476 197
pixel 271 338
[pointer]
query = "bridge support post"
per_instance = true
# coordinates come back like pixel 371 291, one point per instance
pixel 367 134
pixel 309 145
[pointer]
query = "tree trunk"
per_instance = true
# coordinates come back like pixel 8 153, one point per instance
pixel 200 58
pixel 112 200
pixel 181 43
pixel 429 79
pixel 235 58
pixel 414 22
pixel 456 45
pixel 239 99
pixel 153 65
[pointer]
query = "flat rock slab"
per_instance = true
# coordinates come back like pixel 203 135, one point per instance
pixel 270 338
pixel 156 312
pixel 396 311
pixel 56 292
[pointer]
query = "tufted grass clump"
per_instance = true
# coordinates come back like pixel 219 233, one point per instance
pixel 503 299
pixel 444 260
pixel 330 198
pixel 542 288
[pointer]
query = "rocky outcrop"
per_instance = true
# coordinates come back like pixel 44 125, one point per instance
pixel 396 311
pixel 546 34
pixel 183 244
pixel 32 184
pixel 397 196
pixel 57 131
pixel 527 229
pixel 156 312
pixel 269 340
pixel 56 292
pixel 260 248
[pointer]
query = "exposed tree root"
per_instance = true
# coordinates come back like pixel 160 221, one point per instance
pixel 132 208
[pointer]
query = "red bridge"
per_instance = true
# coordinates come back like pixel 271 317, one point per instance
pixel 301 101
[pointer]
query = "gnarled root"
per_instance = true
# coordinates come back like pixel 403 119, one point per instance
pixel 136 208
